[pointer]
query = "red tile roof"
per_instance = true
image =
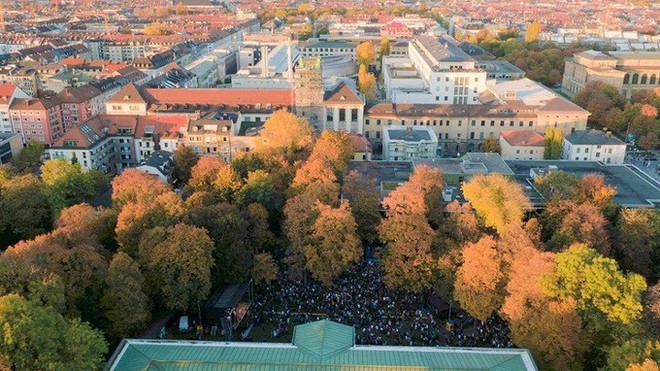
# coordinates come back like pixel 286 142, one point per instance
pixel 230 97
pixel 6 91
pixel 343 93
pixel 526 138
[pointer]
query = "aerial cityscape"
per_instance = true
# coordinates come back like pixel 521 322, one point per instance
pixel 316 185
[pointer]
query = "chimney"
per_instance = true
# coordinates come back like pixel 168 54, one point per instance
pixel 609 134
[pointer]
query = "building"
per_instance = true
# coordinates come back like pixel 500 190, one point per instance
pixel 344 109
pixel 328 48
pixel 521 145
pixel 7 95
pixel 209 138
pixel 435 72
pixel 406 143
pixel 159 164
pixel 396 30
pixel 10 145
pixel 361 148
pixel 316 345
pixel 509 105
pixel 36 119
pixel 628 72
pixel 594 145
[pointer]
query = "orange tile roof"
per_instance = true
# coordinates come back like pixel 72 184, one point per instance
pixel 230 97
pixel 526 138
pixel 6 91
pixel 343 93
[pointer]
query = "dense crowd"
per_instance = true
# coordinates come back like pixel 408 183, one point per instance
pixel 380 315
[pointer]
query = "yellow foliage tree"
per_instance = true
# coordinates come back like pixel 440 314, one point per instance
pixel 533 32
pixel 366 82
pixel 366 53
pixel 156 28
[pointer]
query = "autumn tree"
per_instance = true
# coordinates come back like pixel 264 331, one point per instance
pixel 479 281
pixel 633 354
pixel 366 82
pixel 490 144
pixel 596 284
pixel 407 260
pixel 125 302
pixel 554 142
pixel 134 185
pixel 583 224
pixel 300 215
pixel 284 131
pixel 636 239
pixel 605 104
pixel 184 161
pixel 205 172
pixel 497 199
pixel 361 191
pixel 155 29
pixel 39 338
pixel 649 141
pixel 652 310
pixel 265 269
pixel 430 182
pixel 533 32
pixel 365 53
pixel 178 262
pixel 384 47
pixel 259 188
pixel 181 9
pixel 227 183
pixel 552 330
pixel 259 235
pixel 24 207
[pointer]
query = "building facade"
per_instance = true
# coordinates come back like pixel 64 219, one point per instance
pixel 402 143
pixel 594 145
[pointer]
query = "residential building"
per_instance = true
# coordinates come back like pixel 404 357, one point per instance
pixel 7 95
pixel 396 30
pixel 10 146
pixel 36 119
pixel 521 145
pixel 594 145
pixel 405 143
pixel 316 345
pixel 628 72
pixel 160 164
pixel 209 138
pixel 361 148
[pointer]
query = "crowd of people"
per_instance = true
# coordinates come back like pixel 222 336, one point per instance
pixel 380 315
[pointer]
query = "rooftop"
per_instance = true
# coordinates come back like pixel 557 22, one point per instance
pixel 321 345
pixel 518 138
pixel 409 134
pixel 592 137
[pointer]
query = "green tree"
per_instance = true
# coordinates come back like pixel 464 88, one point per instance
pixel 125 302
pixel 622 355
pixel 265 269
pixel 597 285
pixel 185 160
pixel 259 188
pixel 361 191
pixel 179 261
pixel 66 184
pixel 300 216
pixel 335 243
pixel 39 338
pixel 636 239
pixel 30 155
pixel 497 199
pixel 553 144
pixel 24 207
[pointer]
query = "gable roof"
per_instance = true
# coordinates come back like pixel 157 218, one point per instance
pixel 527 138
pixel 229 97
pixel 343 93
pixel 128 94
pixel 592 137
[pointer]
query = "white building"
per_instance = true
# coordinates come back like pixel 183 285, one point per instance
pixel 593 145
pixel 521 145
pixel 435 72
pixel 10 146
pixel 405 143
pixel 273 71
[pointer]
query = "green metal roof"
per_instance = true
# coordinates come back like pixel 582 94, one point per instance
pixel 322 345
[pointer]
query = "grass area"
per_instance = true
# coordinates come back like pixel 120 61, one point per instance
pixel 452 179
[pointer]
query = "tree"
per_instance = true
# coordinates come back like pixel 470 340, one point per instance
pixel 479 281
pixel 37 338
pixel 335 244
pixel 649 141
pixel 384 47
pixel 300 216
pixel 633 351
pixel 134 185
pixel 498 200
pixel 554 141
pixel 179 262
pixel 66 184
pixel 335 149
pixel 259 235
pixel 155 29
pixel 361 191
pixel 365 53
pixel 24 207
pixel 407 261
pixel 430 182
pixel 652 310
pixel 284 131
pixel 592 188
pixel 490 144
pixel 533 32
pixel 184 161
pixel 205 172
pixel 583 224
pixel 647 365
pixel 125 302
pixel 366 82
pixel 181 8
pixel 264 269
pixel 259 188
pixel 30 155
pixel 636 238
pixel 596 284
pixel 227 183
pixel 605 104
